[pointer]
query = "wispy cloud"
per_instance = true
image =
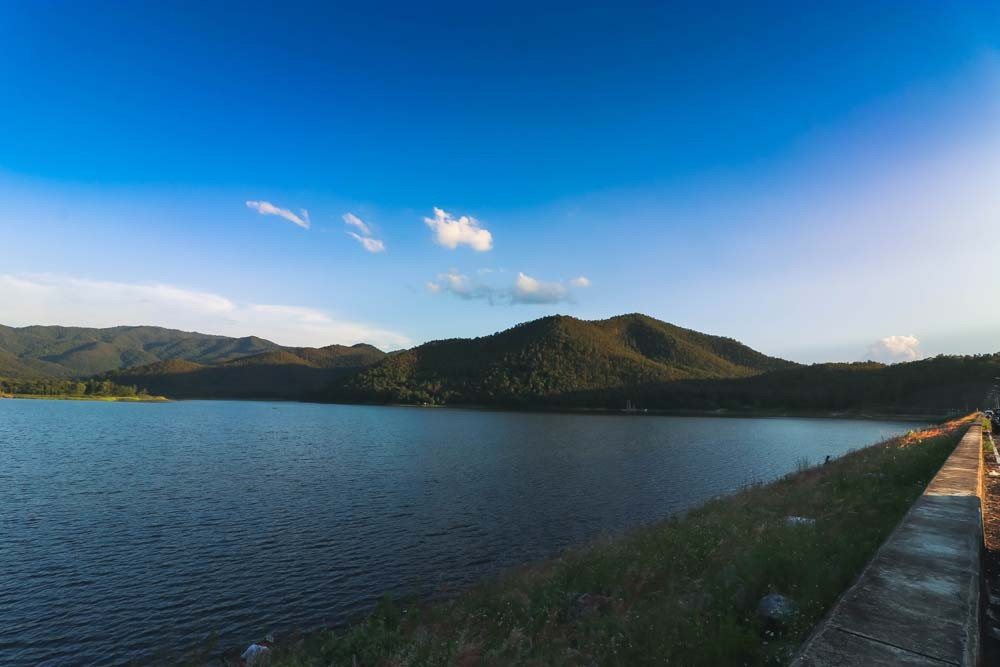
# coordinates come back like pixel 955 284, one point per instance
pixel 581 281
pixel 71 301
pixel 893 349
pixel 365 237
pixel 355 221
pixel 452 232
pixel 369 244
pixel 267 208
pixel 525 290
pixel 532 290
pixel 458 284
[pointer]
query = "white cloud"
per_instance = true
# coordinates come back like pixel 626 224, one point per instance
pixel 267 208
pixel 452 232
pixel 365 237
pixel 582 281
pixel 454 280
pixel 460 285
pixel 893 349
pixel 355 221
pixel 455 283
pixel 369 244
pixel 70 301
pixel 525 290
pixel 532 290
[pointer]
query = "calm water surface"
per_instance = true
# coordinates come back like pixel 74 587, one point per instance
pixel 127 528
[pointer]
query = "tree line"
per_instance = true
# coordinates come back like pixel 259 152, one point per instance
pixel 62 387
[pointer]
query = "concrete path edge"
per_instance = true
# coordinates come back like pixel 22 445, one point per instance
pixel 917 601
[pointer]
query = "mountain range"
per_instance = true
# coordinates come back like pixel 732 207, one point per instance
pixel 63 352
pixel 544 360
pixel 554 361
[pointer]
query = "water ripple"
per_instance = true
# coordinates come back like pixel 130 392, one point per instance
pixel 129 529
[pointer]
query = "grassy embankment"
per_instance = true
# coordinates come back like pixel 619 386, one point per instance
pixel 988 443
pixel 682 591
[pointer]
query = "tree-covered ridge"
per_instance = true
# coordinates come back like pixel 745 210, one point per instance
pixel 937 384
pixel 59 387
pixel 280 373
pixel 551 362
pixel 668 343
pixel 54 351
pixel 552 358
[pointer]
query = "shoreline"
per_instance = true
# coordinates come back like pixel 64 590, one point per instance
pixel 745 414
pixel 933 418
pixel 72 397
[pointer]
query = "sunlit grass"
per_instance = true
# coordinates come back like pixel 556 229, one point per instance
pixel 84 397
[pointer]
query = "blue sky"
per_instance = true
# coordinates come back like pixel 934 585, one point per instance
pixel 817 180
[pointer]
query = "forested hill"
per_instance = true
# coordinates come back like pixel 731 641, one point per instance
pixel 291 372
pixel 551 360
pixel 938 385
pixel 62 352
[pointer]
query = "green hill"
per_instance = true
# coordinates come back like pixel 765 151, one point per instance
pixel 281 373
pixel 936 385
pixel 552 361
pixel 60 352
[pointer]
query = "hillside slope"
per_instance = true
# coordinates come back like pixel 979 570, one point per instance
pixel 552 360
pixel 281 373
pixel 54 351
pixel 938 385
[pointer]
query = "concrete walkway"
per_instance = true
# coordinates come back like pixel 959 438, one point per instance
pixel 917 601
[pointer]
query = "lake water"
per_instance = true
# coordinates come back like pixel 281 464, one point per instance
pixel 127 528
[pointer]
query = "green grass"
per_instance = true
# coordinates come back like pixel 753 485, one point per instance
pixel 988 445
pixel 84 397
pixel 682 591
